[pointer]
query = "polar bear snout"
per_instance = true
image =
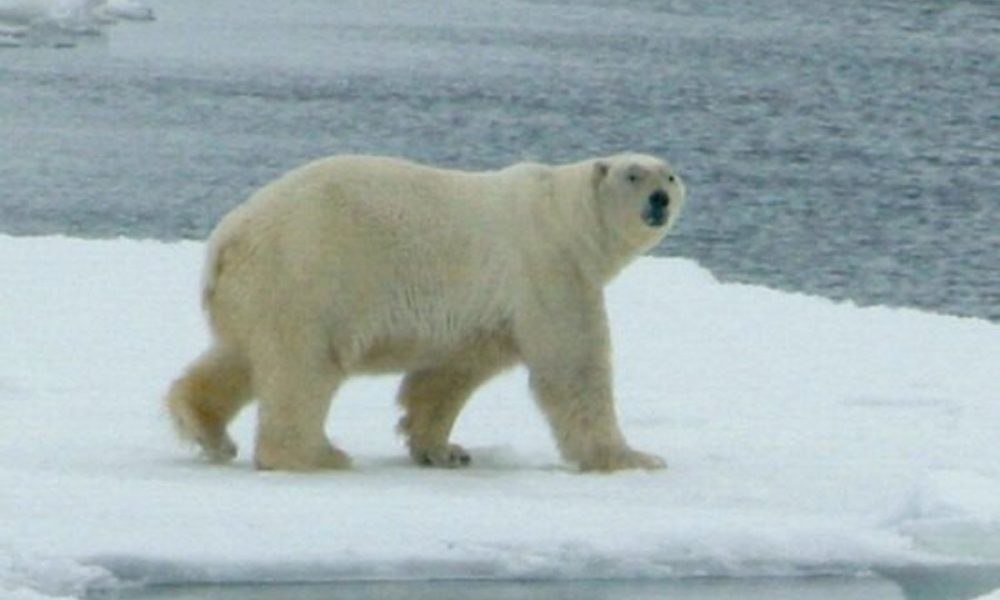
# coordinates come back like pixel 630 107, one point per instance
pixel 657 206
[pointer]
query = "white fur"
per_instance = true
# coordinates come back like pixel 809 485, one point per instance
pixel 361 264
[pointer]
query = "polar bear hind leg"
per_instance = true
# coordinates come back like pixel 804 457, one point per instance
pixel 205 399
pixel 432 400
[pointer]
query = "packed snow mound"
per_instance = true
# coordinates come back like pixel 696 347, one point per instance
pixel 37 578
pixel 61 22
pixel 804 437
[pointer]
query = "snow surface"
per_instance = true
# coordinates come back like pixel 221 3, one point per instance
pixel 804 437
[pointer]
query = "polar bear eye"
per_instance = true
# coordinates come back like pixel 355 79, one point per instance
pixel 634 175
pixel 671 179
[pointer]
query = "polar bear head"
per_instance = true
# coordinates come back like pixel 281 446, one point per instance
pixel 638 196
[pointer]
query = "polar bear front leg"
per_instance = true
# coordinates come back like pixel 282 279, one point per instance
pixel 568 355
pixel 585 426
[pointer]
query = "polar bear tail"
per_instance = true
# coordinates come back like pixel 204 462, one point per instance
pixel 210 276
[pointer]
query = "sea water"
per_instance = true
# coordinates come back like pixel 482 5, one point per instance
pixel 848 149
pixel 820 588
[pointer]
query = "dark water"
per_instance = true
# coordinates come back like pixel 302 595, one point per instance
pixel 846 148
pixel 943 582
pixel 928 585
pixel 695 589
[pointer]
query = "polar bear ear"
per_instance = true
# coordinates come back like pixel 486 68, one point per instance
pixel 601 170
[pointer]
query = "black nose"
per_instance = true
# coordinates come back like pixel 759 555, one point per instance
pixel 659 199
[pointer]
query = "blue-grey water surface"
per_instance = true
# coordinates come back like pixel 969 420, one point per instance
pixel 822 588
pixel 848 148
pixel 913 586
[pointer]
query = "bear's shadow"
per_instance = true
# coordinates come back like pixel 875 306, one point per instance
pixel 485 459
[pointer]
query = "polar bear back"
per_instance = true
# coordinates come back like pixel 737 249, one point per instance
pixel 388 250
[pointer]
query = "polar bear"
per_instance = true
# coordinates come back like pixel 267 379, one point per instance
pixel 362 264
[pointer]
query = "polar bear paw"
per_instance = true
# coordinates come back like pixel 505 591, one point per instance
pixel 447 456
pixel 622 458
pixel 217 449
pixel 277 458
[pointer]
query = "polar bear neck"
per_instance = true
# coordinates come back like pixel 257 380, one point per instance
pixel 570 219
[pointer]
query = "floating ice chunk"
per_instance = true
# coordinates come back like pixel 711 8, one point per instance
pixel 12 35
pixel 22 12
pixel 31 12
pixel 744 367
pixel 49 22
pixel 126 10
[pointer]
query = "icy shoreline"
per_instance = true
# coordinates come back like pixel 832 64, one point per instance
pixel 804 437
